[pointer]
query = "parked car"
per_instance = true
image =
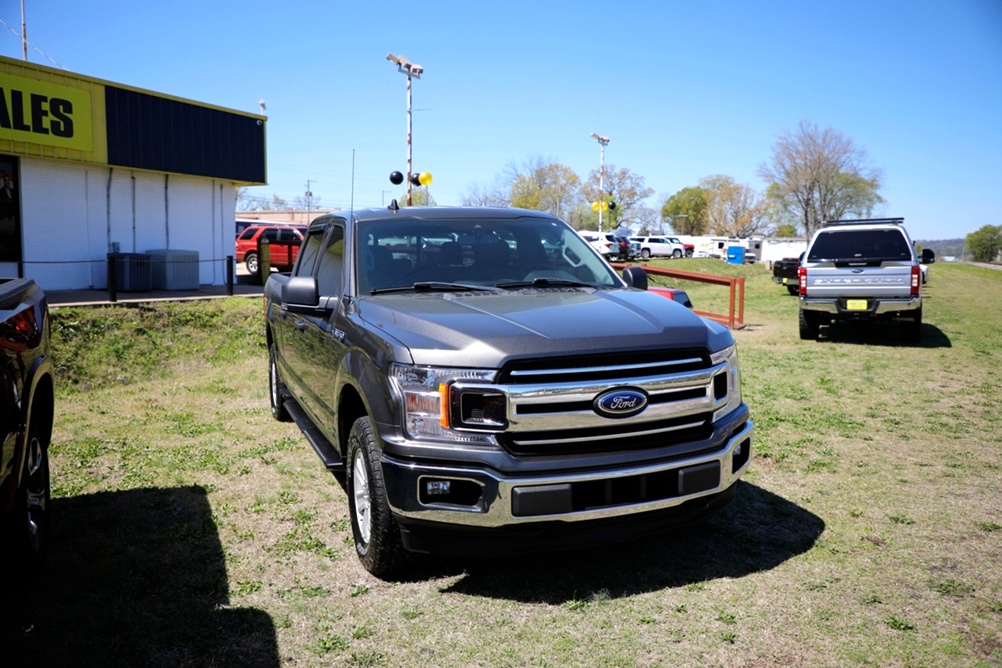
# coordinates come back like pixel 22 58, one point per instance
pixel 612 246
pixel 284 239
pixel 660 247
pixel 675 294
pixel 862 270
pixel 480 397
pixel 26 415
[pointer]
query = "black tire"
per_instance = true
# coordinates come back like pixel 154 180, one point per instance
pixel 809 324
pixel 676 253
pixel 793 289
pixel 377 536
pixel 688 253
pixel 276 389
pixel 911 329
pixel 253 266
pixel 645 253
pixel 31 513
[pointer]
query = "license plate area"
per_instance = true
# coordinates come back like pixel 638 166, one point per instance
pixel 856 305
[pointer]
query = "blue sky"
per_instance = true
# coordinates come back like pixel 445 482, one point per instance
pixel 682 89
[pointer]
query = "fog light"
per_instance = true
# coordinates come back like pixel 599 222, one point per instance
pixel 437 487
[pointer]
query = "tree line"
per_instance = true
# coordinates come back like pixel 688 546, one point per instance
pixel 813 175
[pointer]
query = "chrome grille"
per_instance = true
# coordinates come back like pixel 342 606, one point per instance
pixel 551 403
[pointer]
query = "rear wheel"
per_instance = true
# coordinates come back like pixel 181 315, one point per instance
pixel 253 266
pixel 809 324
pixel 792 289
pixel 911 329
pixel 377 537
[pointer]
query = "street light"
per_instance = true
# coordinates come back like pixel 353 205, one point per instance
pixel 603 142
pixel 411 71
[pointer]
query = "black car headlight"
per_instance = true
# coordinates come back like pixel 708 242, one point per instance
pixel 448 404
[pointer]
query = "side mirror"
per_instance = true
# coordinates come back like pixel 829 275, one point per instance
pixel 928 256
pixel 635 277
pixel 301 291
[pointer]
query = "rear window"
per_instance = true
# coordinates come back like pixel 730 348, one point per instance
pixel 860 245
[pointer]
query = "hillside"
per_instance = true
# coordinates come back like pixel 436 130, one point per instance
pixel 944 247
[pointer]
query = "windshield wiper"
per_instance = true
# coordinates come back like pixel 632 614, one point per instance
pixel 543 282
pixel 434 286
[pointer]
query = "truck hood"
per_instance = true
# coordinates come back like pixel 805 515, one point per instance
pixel 483 329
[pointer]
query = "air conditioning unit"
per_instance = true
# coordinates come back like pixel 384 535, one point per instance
pixel 174 269
pixel 134 272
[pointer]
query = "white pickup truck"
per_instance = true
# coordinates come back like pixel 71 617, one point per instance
pixel 864 269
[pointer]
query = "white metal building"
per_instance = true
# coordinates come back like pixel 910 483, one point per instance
pixel 89 168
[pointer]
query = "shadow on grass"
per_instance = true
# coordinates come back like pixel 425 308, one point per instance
pixel 756 532
pixel 882 334
pixel 134 578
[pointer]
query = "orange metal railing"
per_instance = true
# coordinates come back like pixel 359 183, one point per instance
pixel 735 316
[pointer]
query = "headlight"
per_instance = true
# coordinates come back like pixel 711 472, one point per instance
pixel 731 380
pixel 454 405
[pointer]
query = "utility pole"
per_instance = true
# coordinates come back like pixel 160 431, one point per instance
pixel 24 33
pixel 309 198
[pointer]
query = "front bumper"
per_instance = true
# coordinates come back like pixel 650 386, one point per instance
pixel 479 500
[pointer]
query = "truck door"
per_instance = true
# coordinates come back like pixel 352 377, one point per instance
pixel 287 325
pixel 318 348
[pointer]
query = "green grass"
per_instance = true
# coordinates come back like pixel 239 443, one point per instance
pixel 192 529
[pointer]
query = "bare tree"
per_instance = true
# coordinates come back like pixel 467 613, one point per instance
pixel 819 175
pixel 543 185
pixel 733 209
pixel 627 189
pixel 494 194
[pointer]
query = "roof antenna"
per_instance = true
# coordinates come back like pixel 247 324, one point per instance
pixel 393 205
pixel 351 205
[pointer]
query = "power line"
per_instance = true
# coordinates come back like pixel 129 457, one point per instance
pixel 33 47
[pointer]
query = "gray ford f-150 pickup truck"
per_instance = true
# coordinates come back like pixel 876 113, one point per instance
pixel 488 384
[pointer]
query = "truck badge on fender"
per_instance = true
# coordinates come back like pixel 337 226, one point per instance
pixel 620 402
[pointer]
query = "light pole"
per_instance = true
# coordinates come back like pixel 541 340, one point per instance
pixel 411 71
pixel 603 142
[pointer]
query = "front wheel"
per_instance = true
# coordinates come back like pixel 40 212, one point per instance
pixel 646 254
pixel 676 253
pixel 377 537
pixel 253 266
pixel 31 513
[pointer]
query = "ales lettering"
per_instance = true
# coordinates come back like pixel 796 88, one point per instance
pixel 35 113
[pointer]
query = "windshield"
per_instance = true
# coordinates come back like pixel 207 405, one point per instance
pixel 402 252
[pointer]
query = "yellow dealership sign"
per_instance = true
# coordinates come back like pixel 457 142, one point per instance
pixel 45 113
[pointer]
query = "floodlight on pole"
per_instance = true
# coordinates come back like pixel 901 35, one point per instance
pixel 411 71
pixel 603 142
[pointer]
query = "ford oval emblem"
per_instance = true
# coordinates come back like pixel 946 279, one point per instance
pixel 620 402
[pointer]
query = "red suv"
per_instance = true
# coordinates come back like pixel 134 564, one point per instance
pixel 284 243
